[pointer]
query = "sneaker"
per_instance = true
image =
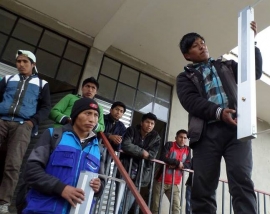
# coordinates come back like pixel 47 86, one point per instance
pixel 4 209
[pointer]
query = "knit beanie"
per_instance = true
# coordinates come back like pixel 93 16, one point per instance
pixel 83 104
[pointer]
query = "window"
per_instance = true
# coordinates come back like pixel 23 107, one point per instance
pixel 58 57
pixel 137 90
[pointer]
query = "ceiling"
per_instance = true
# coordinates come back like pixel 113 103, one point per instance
pixel 150 30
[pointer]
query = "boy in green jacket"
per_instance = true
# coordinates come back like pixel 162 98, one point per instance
pixel 60 113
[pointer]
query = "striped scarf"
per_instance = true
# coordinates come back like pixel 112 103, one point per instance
pixel 213 86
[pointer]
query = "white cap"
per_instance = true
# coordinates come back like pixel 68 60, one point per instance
pixel 28 54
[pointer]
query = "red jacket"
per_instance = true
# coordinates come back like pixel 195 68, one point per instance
pixel 172 154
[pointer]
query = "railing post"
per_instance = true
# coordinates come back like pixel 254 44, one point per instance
pixel 258 203
pixel 129 182
pixel 161 189
pixel 151 184
pixel 181 197
pixel 264 201
pixel 172 189
pixel 223 196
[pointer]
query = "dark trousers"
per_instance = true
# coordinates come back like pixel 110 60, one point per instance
pixel 17 136
pixel 220 140
pixel 188 196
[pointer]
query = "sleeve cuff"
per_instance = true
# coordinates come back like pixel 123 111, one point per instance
pixel 219 113
pixel 59 187
pixel 63 120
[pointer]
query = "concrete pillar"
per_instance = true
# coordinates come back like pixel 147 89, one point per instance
pixel 92 65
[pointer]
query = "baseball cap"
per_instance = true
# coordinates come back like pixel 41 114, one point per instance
pixel 28 54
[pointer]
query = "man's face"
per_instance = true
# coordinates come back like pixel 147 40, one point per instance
pixel 117 112
pixel 148 125
pixel 24 65
pixel 86 120
pixel 198 52
pixel 181 139
pixel 89 90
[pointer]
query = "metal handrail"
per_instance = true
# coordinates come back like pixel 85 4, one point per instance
pixel 144 208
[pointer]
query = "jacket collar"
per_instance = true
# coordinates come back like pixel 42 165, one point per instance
pixel 69 128
pixel 196 66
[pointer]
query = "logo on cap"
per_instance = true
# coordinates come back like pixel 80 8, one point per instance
pixel 93 105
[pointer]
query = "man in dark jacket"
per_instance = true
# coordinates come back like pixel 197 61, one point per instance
pixel 207 90
pixel 140 142
pixel 24 103
pixel 114 128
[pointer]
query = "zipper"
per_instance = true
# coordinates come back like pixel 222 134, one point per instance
pixel 18 99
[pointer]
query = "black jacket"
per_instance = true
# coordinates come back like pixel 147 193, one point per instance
pixel 115 128
pixel 192 95
pixel 133 146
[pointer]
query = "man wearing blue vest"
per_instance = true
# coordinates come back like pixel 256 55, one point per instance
pixel 24 103
pixel 53 170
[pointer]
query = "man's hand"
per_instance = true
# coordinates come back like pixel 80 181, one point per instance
pixel 95 184
pixel 253 26
pixel 29 122
pixel 73 195
pixel 116 139
pixel 227 116
pixel 145 154
pixel 181 165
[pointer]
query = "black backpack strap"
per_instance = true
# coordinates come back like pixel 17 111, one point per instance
pixel 56 137
pixel 24 188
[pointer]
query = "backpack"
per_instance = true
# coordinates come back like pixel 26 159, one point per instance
pixel 56 136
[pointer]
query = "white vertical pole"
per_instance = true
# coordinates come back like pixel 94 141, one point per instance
pixel 246 110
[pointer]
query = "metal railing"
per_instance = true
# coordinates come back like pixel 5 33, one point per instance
pixel 125 175
pixel 262 203
pixel 143 205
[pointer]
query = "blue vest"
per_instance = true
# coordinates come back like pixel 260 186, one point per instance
pixel 65 163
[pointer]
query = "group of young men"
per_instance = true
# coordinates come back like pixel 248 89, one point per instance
pixel 206 89
pixel 54 165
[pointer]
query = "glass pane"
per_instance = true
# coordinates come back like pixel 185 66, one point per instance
pixel 7 21
pixel 3 40
pixel 164 91
pixel 110 68
pixel 129 76
pixel 27 32
pixel 53 43
pixel 43 66
pixel 106 87
pixel 147 84
pixel 125 94
pixel 12 48
pixel 75 52
pixel 161 109
pixel 69 72
pixel 143 102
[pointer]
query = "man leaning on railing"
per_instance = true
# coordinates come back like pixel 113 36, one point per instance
pixel 142 142
pixel 177 157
